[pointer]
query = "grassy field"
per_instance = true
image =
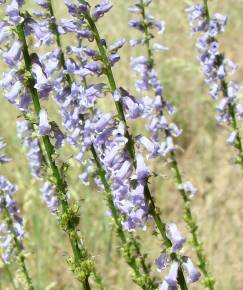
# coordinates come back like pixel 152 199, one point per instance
pixel 205 158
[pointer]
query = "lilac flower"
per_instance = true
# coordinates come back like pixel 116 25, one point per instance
pixel 166 286
pixel 44 126
pixel 192 272
pixel 232 137
pixel 142 171
pixel 14 54
pixel 14 92
pixel 174 235
pixel 50 197
pixel 9 210
pixel 39 30
pixel 171 278
pixel 12 11
pixel 113 48
pixel 162 261
pixel 101 9
pixel 215 66
pixel 189 188
pixel 24 132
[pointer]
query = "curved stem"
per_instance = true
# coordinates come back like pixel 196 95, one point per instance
pixel 188 216
pixel 131 148
pixel 121 115
pixel 231 107
pixel 190 220
pixel 60 184
pixel 132 252
pixel 130 255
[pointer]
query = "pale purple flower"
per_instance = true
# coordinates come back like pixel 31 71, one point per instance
pixel 44 126
pixel 171 278
pixel 175 237
pixel 50 197
pixel 166 286
pixel 12 11
pixel 24 132
pixel 232 137
pixel 103 7
pixel 162 262
pixel 188 187
pixel 14 92
pixel 13 55
pixel 192 272
pixel 117 45
pixel 7 203
pixel 142 171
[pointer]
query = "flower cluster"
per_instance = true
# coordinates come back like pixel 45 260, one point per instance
pixel 156 108
pixel 25 133
pixel 38 134
pixel 185 263
pixel 158 112
pixel 124 164
pixel 215 66
pixel 18 80
pixel 106 148
pixel 11 226
pixel 87 126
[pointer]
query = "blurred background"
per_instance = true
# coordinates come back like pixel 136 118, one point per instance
pixel 204 156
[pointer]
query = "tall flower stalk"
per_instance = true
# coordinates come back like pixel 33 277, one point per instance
pixel 158 124
pixel 11 227
pixel 116 146
pixel 23 68
pixel 130 246
pixel 216 68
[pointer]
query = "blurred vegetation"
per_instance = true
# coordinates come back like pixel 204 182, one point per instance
pixel 205 158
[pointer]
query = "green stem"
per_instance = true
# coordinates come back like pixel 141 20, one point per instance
pixel 205 2
pixel 190 220
pixel 231 107
pixel 19 250
pixel 234 124
pixel 147 35
pixel 130 255
pixel 60 184
pixel 121 115
pixel 131 149
pixel 58 39
pixel 188 216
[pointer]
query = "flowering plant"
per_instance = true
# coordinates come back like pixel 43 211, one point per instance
pixel 95 116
